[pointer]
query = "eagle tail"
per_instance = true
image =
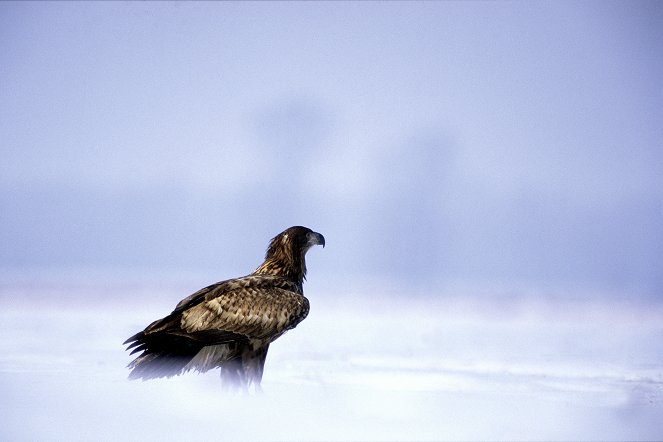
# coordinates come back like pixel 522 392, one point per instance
pixel 163 355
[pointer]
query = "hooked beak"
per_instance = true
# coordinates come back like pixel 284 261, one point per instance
pixel 316 239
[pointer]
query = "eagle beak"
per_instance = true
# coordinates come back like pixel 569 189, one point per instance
pixel 316 239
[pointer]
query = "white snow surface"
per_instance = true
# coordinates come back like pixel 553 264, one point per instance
pixel 360 367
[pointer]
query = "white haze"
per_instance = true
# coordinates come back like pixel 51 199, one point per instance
pixel 360 367
pixel 489 142
pixel 488 177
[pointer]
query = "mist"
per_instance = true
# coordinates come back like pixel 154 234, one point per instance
pixel 482 170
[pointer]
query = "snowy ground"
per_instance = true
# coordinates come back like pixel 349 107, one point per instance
pixel 359 368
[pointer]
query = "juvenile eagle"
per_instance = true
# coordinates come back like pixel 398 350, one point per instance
pixel 230 324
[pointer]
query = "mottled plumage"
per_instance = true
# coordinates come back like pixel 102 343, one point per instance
pixel 230 324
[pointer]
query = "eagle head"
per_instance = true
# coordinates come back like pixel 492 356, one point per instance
pixel 286 253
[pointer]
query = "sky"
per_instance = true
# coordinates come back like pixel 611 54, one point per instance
pixel 434 144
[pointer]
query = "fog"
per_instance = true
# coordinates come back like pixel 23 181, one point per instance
pixel 484 141
pixel 355 369
pixel 487 176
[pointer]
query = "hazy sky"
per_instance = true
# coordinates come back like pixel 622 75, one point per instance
pixel 510 142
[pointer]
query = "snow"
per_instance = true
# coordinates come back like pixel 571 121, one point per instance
pixel 358 368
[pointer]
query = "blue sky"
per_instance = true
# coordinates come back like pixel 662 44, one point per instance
pixel 490 142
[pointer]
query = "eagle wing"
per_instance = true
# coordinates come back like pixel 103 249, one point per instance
pixel 254 306
pixel 254 312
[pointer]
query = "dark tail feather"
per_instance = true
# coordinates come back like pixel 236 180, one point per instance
pixel 164 355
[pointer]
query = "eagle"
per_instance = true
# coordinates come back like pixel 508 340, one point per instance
pixel 230 324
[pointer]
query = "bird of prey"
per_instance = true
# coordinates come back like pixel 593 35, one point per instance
pixel 230 324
